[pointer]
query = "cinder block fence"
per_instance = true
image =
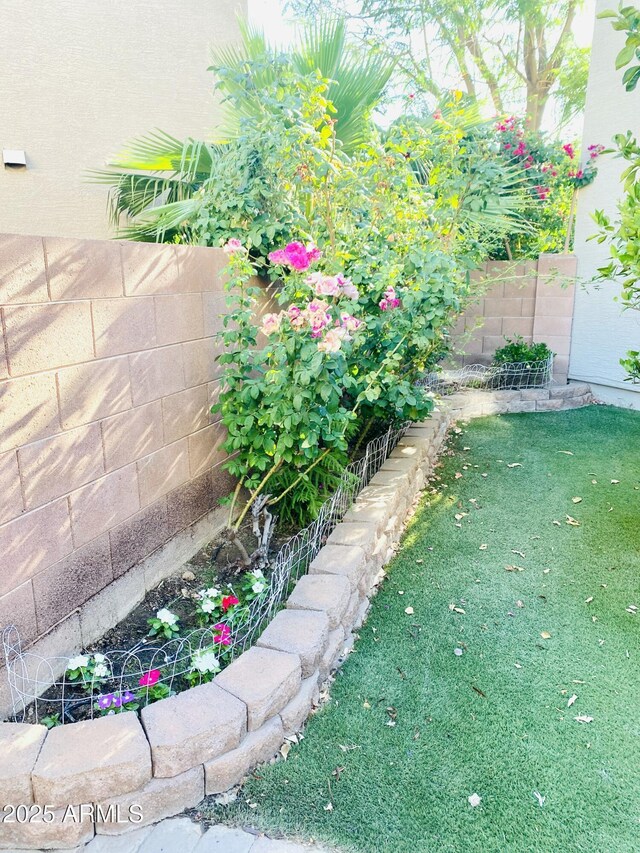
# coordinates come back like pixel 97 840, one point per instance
pixel 107 447
pixel 529 298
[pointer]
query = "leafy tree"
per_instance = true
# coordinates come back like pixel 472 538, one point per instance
pixel 522 51
pixel 155 181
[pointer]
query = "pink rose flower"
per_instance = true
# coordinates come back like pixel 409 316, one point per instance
pixel 389 300
pixel 270 324
pixel 332 341
pixel 350 323
pixel 232 246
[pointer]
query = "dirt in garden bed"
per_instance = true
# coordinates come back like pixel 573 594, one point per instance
pixel 216 564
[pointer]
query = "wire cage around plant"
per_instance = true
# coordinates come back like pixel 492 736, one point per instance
pixel 508 376
pixel 122 680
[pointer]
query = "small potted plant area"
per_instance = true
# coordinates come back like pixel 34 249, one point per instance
pixel 519 364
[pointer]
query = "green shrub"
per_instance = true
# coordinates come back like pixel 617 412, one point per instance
pixel 518 351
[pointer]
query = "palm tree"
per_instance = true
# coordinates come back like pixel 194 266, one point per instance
pixel 153 181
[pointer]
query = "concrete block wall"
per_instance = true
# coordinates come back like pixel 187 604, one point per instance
pixel 529 298
pixel 107 446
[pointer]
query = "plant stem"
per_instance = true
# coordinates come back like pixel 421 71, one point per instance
pixel 254 494
pixel 303 474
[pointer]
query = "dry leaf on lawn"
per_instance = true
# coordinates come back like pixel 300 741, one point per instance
pixel 284 750
pixel 409 611
pixel 514 465
pixel 571 700
pixel 583 719
pixel 572 521
pixel 514 569
pixel 474 800
pixel 483 547
pixel 568 452
pixel 576 500
pixel 545 635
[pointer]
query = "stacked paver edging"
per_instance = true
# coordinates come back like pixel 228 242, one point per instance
pixel 205 740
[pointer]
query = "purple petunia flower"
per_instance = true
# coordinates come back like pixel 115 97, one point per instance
pixel 105 701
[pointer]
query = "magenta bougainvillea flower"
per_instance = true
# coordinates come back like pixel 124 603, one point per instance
pixel 296 255
pixel 150 678
pixel 229 601
pixel 569 150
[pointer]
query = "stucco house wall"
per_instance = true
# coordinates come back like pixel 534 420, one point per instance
pixel 602 330
pixel 78 80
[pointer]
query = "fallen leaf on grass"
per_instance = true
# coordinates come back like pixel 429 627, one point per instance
pixel 409 611
pixel 572 521
pixel 633 609
pixel 518 665
pixel 329 807
pixel 519 553
pixel 571 700
pixel 483 547
pixel 456 609
pixel 514 569
pixel 568 452
pixel 556 522
pixel 582 718
pixel 576 500
pixel 460 515
pixel 615 482
pixel 588 600
pixel 337 772
pixel 545 635
pixel 458 475
pixel 284 750
pixel 478 691
pixel 366 705
pixel 514 465
pixel 519 603
pixel 347 747
pixel 474 800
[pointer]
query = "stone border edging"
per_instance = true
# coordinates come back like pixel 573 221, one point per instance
pixel 206 739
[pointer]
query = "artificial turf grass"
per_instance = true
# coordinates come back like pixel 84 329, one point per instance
pixel 405 787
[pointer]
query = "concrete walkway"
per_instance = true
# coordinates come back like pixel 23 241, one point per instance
pixel 181 835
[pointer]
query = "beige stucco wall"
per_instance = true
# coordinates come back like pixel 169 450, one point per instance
pixel 602 331
pixel 78 79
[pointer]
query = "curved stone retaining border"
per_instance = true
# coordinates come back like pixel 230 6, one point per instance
pixel 206 739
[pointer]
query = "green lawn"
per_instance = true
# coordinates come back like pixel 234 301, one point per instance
pixel 494 721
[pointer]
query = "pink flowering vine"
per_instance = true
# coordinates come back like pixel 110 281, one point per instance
pixel 569 150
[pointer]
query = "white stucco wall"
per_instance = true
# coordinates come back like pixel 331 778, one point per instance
pixel 602 331
pixel 78 79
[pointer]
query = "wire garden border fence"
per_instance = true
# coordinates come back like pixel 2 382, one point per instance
pixel 122 679
pixel 510 376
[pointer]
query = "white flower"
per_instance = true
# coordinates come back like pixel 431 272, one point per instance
pixel 79 662
pixel 257 573
pixel 100 671
pixel 258 587
pixel 208 606
pixel 205 661
pixel 212 592
pixel 99 658
pixel 166 616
